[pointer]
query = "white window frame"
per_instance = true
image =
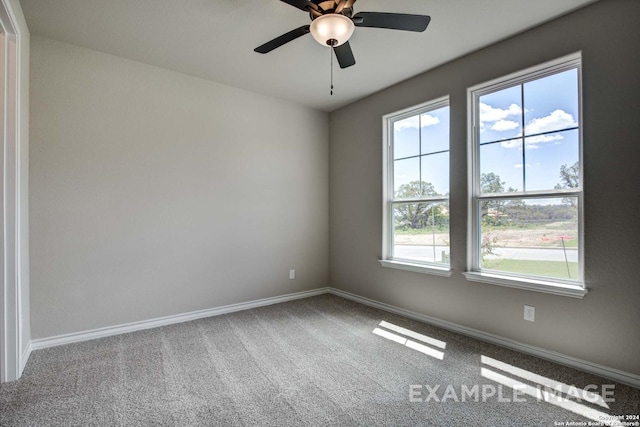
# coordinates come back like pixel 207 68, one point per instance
pixel 388 191
pixel 571 288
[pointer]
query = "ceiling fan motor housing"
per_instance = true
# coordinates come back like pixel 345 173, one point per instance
pixel 326 7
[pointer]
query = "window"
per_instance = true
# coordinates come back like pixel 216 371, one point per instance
pixel 416 189
pixel 526 180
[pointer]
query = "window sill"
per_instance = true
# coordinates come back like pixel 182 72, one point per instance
pixel 567 290
pixel 416 268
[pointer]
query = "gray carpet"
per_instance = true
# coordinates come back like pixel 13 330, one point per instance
pixel 312 362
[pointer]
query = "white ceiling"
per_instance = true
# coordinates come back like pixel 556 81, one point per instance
pixel 214 39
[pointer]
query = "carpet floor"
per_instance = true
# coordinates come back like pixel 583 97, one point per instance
pixel 320 361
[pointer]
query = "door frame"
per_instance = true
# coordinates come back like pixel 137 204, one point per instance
pixel 11 334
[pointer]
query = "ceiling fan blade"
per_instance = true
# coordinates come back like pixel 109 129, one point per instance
pixel 283 39
pixel 300 4
pixel 392 21
pixel 344 55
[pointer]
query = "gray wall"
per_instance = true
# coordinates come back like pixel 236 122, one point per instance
pixel 154 193
pixel 601 328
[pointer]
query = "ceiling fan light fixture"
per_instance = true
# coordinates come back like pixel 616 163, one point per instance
pixel 332 29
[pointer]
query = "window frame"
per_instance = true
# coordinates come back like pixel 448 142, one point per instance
pixel 389 200
pixel 573 288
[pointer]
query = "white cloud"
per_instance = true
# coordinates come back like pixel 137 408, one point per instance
pixel 411 122
pixel 489 114
pixel 497 117
pixel 532 142
pixel 544 138
pixel 512 143
pixel 558 119
pixel 429 120
pixel 414 122
pixel 503 125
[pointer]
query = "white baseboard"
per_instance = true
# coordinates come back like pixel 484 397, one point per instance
pixel 582 365
pixel 41 343
pixel 24 358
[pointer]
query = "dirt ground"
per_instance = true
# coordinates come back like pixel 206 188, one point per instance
pixel 551 235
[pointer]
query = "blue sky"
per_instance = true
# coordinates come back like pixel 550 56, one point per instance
pixel 432 145
pixel 550 104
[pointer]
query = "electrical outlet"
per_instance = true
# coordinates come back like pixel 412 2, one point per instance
pixel 529 313
pixel 292 274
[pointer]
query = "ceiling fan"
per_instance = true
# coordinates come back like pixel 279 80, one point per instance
pixel 333 23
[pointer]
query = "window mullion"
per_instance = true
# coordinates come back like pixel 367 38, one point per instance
pixel 420 151
pixel 530 195
pixel 524 139
pixel 408 201
pixel 528 136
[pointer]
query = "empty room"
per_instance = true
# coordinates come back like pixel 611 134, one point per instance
pixel 312 212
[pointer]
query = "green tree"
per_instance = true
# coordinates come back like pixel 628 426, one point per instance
pixel 569 178
pixel 416 190
pixel 419 215
pixel 492 211
pixel 491 183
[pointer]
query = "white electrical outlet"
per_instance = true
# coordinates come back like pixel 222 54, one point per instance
pixel 529 313
pixel 292 274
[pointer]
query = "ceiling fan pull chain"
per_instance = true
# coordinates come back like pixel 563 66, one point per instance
pixel 331 54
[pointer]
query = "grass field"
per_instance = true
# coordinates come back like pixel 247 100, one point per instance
pixel 556 269
pixel 550 235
